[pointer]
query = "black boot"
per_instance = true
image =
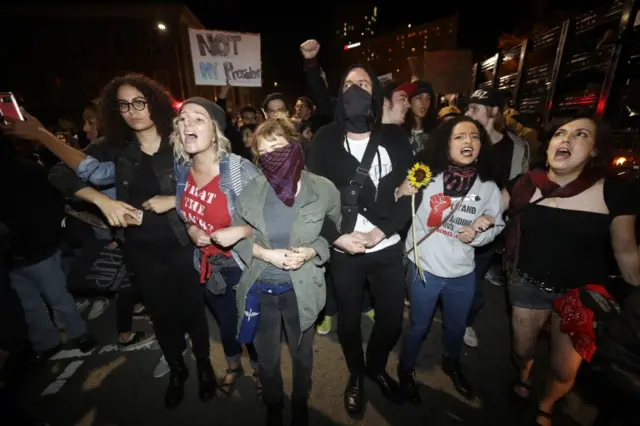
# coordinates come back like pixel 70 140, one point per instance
pixel 206 379
pixel 451 367
pixel 175 392
pixel 408 385
pixel 274 414
pixel 354 397
pixel 299 413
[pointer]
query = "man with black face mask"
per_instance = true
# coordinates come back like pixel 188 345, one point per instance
pixel 367 161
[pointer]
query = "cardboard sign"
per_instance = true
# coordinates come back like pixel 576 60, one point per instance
pixel 223 57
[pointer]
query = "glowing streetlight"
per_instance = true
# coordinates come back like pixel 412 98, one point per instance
pixel 409 26
pixel 161 26
pixel 275 84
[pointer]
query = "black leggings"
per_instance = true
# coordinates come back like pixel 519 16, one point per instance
pixel 173 296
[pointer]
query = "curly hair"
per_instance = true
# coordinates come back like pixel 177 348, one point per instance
pixel 220 140
pixel 436 152
pixel 279 126
pixel 160 104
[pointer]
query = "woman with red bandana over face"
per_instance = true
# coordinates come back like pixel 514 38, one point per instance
pixel 562 220
pixel 284 281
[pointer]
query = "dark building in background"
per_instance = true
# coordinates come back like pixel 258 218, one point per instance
pixel 355 22
pixel 390 53
pixel 60 56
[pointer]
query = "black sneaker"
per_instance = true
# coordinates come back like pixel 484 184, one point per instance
pixel 43 356
pixel 85 342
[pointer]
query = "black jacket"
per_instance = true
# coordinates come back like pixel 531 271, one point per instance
pixel 127 160
pixel 329 158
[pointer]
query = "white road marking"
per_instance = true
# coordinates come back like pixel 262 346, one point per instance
pixel 55 386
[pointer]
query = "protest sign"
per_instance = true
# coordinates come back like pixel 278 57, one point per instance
pixel 221 57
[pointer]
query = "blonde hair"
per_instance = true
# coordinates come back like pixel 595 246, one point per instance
pixel 220 141
pixel 279 126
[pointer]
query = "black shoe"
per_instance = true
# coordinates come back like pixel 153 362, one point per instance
pixel 389 387
pixel 274 415
pixel 408 385
pixel 175 392
pixel 207 380
pixel 451 367
pixel 299 414
pixel 41 357
pixel 85 342
pixel 354 397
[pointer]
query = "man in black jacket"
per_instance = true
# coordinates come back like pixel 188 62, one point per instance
pixel 371 220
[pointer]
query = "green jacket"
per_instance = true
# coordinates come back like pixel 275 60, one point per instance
pixel 317 199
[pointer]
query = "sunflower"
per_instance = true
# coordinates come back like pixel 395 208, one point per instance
pixel 419 175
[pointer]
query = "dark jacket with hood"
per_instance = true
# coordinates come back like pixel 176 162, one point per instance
pixel 330 159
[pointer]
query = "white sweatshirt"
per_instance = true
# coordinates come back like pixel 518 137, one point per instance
pixel 443 254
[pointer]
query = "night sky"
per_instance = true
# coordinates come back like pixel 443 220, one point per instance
pixel 283 28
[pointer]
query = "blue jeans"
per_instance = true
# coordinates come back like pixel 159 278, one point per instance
pixel 224 310
pixel 46 282
pixel 456 293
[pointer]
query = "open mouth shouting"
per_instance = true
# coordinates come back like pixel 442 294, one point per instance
pixel 562 153
pixel 189 139
pixel 467 152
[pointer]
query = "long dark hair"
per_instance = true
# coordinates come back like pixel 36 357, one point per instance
pixel 160 104
pixel 436 153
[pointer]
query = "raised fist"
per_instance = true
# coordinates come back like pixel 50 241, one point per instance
pixel 310 49
pixel 438 203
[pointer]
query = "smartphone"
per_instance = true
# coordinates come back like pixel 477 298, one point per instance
pixel 9 106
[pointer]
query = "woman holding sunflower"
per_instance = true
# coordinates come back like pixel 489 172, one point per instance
pixel 458 208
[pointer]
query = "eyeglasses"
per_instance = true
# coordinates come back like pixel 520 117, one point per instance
pixel 137 104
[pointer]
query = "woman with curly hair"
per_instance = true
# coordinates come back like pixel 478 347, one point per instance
pixel 138 122
pixel 459 209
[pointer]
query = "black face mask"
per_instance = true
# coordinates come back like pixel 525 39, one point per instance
pixel 356 103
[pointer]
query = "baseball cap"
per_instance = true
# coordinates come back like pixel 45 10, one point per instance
pixel 488 97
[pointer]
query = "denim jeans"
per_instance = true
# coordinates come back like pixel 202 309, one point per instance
pixel 46 282
pixel 276 310
pixel 456 293
pixel 224 310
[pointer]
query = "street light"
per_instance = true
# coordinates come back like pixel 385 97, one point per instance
pixel 409 26
pixel 275 84
pixel 161 26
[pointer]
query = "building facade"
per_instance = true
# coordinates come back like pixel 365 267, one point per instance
pixel 390 53
pixel 356 22
pixel 69 53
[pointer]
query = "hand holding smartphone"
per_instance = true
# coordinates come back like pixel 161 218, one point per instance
pixel 9 107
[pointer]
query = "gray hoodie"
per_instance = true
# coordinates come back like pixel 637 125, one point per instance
pixel 443 254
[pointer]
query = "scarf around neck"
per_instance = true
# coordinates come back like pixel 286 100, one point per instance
pixel 520 198
pixel 458 180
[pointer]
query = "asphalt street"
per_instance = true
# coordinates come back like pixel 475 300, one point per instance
pixel 109 387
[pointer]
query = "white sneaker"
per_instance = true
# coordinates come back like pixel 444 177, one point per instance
pixel 162 369
pixel 470 337
pixel 98 308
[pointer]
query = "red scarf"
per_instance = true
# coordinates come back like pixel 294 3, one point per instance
pixel 521 194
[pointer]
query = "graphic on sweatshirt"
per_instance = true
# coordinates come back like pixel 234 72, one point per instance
pixel 464 216
pixel 438 203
